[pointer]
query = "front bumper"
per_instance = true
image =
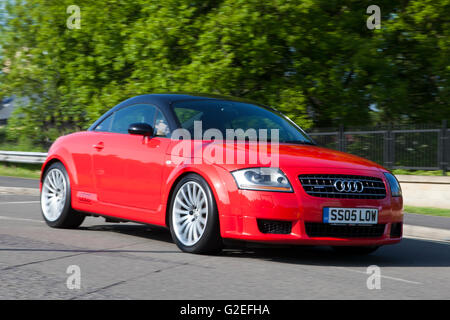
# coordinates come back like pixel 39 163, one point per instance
pixel 299 209
pixel 246 228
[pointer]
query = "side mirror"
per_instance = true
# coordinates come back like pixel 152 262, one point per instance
pixel 140 128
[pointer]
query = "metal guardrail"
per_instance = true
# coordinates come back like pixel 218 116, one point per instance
pixel 22 157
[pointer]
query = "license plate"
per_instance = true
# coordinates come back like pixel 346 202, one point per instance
pixel 350 215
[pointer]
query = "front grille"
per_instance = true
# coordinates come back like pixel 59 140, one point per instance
pixel 322 185
pixel 396 230
pixel 274 226
pixel 343 231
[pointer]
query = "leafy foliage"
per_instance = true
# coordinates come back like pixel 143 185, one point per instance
pixel 314 60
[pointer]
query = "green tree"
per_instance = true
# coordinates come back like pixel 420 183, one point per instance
pixel 314 60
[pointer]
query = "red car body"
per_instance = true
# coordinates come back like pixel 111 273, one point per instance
pixel 129 177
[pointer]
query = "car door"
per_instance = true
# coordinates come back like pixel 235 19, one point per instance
pixel 126 166
pixel 145 166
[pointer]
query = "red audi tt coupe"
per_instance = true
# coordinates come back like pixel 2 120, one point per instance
pixel 212 168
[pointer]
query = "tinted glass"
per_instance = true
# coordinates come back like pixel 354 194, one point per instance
pixel 105 125
pixel 161 126
pixel 223 115
pixel 122 118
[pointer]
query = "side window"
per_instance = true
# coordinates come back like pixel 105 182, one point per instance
pixel 105 125
pixel 187 117
pixel 136 113
pixel 161 125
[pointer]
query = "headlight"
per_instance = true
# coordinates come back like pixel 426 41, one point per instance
pixel 264 179
pixel 396 190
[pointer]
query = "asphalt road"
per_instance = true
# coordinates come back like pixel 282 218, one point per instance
pixel 131 261
pixel 19 182
pixel 427 221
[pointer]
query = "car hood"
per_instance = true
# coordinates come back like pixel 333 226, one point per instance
pixel 285 156
pixel 313 157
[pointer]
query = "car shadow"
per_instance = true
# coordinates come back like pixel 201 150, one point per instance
pixel 137 230
pixel 408 253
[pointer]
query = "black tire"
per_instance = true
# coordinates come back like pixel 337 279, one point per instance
pixel 210 241
pixel 355 250
pixel 68 218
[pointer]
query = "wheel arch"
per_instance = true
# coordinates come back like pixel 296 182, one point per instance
pixel 213 180
pixel 56 158
pixel 47 165
pixel 171 191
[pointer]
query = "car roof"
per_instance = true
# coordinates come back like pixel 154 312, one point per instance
pixel 165 99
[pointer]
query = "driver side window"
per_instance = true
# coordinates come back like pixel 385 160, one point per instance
pixel 119 121
pixel 161 126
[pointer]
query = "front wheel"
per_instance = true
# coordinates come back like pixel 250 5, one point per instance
pixel 55 199
pixel 355 250
pixel 194 219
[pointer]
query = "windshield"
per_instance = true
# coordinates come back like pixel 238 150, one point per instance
pixel 243 118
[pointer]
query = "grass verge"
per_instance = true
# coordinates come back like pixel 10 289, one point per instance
pixel 21 147
pixel 418 172
pixel 428 211
pixel 23 170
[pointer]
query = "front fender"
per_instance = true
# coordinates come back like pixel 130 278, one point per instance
pixel 62 155
pixel 216 178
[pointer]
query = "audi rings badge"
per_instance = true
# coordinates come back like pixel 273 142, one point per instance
pixel 348 186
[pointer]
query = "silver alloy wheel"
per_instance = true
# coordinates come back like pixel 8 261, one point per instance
pixel 190 213
pixel 53 196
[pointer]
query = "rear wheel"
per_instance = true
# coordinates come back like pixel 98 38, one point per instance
pixel 355 250
pixel 194 220
pixel 55 199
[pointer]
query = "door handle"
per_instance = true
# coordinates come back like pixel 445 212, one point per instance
pixel 99 146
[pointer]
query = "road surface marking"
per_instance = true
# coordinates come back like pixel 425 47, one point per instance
pixel 19 202
pixel 382 276
pixel 19 219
